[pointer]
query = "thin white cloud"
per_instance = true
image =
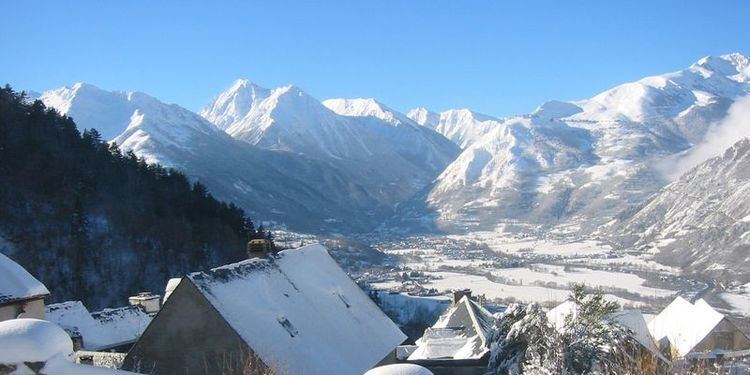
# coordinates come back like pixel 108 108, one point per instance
pixel 722 136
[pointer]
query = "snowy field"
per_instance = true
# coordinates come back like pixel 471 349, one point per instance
pixel 481 285
pixel 738 299
pixel 507 268
pixel 564 276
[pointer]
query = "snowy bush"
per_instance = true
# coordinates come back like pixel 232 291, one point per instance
pixel 524 341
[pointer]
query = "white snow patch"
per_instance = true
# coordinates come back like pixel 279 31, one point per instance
pixel 17 283
pixel 32 340
pixel 100 330
pixel 399 369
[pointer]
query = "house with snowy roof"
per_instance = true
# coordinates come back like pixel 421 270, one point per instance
pixel 21 295
pixel 684 329
pixel 110 329
pixel 296 312
pixel 632 320
pixel 458 343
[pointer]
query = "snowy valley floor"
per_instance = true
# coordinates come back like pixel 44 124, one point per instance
pixel 507 268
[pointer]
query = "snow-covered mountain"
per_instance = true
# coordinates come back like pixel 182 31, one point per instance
pixel 286 155
pixel 462 126
pixel 291 120
pixel 90 106
pixel 278 185
pixel 701 221
pixel 578 164
pixel 501 170
pixel 421 146
pixel 287 118
pixel 278 153
pixel 234 104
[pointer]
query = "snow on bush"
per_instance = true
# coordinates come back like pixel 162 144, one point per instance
pixel 525 341
pixel 32 340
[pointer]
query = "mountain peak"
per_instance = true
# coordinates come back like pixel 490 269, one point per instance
pixel 291 99
pixel 362 107
pixel 424 117
pixel 244 84
pixel 735 66
pixel 79 85
pixel 290 90
pixel 234 103
pixel 466 113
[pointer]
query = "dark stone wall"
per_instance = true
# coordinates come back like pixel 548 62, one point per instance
pixel 188 336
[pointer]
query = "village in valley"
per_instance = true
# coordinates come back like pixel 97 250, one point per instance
pixel 298 311
pixel 348 187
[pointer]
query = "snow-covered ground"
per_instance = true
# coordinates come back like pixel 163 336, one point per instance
pixel 740 303
pixel 506 268
pixel 481 285
pixel 509 244
pixel 738 299
pixel 559 275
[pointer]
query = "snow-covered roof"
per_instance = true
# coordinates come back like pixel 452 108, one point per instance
pixel 684 324
pixel 16 283
pixel 399 369
pixel 300 312
pixel 559 313
pixel 26 341
pixel 460 333
pixel 171 286
pixel 100 330
pixel 636 322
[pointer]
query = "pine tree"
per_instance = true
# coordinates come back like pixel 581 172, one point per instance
pixel 592 339
pixel 524 341
pixel 80 242
pixel 150 222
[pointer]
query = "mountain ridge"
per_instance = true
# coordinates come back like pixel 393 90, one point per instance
pixel 630 129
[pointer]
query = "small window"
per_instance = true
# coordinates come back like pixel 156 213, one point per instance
pixel 724 340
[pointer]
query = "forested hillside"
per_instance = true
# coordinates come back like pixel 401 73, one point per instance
pixel 98 225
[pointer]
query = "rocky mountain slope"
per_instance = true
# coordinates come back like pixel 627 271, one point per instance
pixel 419 145
pixel 577 165
pixel 462 126
pixel 701 222
pixel 350 163
pixel 322 171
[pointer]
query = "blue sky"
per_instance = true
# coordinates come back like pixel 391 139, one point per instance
pixel 496 57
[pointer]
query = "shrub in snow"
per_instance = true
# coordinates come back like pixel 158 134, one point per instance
pixel 593 342
pixel 32 346
pixel 32 340
pixel 524 340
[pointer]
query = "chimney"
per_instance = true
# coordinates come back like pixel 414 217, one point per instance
pixel 459 293
pixel 259 248
pixel 150 303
